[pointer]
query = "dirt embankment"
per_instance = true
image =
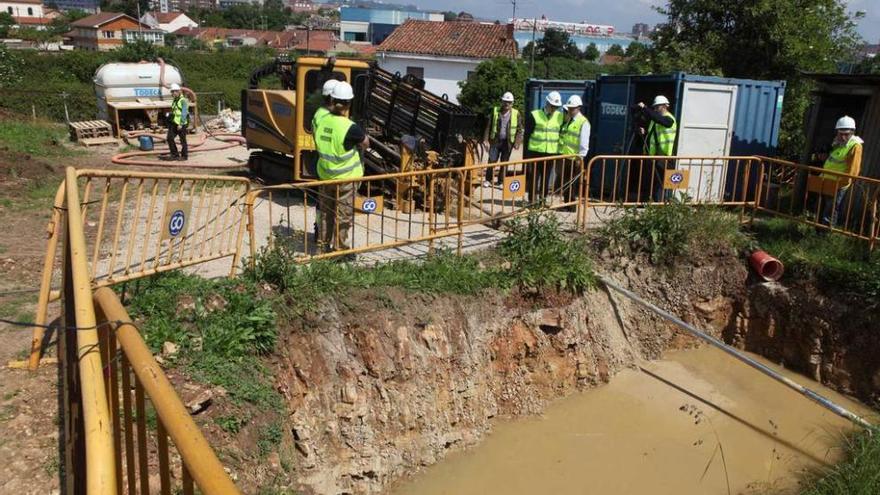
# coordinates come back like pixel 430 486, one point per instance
pixel 832 338
pixel 380 387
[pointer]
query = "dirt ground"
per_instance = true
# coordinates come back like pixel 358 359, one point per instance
pixel 28 401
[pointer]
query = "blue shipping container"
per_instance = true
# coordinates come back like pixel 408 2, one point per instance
pixel 757 111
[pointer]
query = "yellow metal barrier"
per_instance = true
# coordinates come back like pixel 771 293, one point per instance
pixel 136 224
pixel 808 195
pixel 102 358
pixel 419 209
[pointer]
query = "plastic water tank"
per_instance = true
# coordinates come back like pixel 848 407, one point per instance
pixel 133 81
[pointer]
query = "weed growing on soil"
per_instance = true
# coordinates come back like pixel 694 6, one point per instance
pixel 666 232
pixel 857 475
pixel 541 256
pixel 221 328
pixel 270 437
pixel 34 138
pixel 833 261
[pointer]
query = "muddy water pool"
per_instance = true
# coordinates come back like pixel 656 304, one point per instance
pixel 696 422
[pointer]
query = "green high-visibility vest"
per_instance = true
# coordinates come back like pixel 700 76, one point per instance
pixel 545 136
pixel 320 113
pixel 514 124
pixel 661 140
pixel 334 161
pixel 836 161
pixel 570 137
pixel 177 110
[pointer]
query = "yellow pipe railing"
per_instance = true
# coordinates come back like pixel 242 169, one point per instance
pixel 199 459
pixel 98 429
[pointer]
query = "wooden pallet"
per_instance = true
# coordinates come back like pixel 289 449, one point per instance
pixel 95 141
pixel 90 129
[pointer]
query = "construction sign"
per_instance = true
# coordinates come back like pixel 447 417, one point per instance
pixel 175 221
pixel 676 179
pixel 514 186
pixel 369 205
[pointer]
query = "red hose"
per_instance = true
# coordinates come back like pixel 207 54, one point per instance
pixel 230 141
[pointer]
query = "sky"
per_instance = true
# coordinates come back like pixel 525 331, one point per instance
pixel 620 13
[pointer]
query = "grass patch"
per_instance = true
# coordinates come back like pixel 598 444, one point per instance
pixel 858 474
pixel 668 232
pixel 833 261
pixel 39 139
pixel 535 255
pixel 269 438
pixel 222 327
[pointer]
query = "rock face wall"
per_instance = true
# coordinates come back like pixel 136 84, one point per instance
pixel 834 340
pixel 380 387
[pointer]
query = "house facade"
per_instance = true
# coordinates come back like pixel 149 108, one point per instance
pixel 110 30
pixel 168 22
pixel 444 54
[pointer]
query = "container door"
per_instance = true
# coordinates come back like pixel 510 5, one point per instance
pixel 705 129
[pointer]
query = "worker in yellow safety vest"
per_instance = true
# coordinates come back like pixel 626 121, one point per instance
pixel 845 158
pixel 504 133
pixel 574 139
pixel 339 141
pixel 659 140
pixel 542 128
pixel 178 123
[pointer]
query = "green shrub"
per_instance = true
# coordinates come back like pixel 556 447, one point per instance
pixel 858 474
pixel 666 232
pixel 542 257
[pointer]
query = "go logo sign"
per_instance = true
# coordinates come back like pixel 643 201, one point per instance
pixel 676 178
pixel 369 205
pixel 514 186
pixel 176 223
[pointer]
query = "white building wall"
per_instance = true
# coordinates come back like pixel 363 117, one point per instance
pixel 441 74
pixel 181 21
pixel 18 9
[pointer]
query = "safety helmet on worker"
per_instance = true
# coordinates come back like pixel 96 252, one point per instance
pixel 846 123
pixel 327 89
pixel 175 87
pixel 508 97
pixel 554 99
pixel 573 102
pixel 660 100
pixel 342 91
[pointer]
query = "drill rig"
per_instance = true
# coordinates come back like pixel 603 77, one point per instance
pixel 409 128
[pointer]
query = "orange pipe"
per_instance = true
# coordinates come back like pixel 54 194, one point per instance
pixel 767 267
pixel 130 158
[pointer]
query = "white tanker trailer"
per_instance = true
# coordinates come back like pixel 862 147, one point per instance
pixel 134 96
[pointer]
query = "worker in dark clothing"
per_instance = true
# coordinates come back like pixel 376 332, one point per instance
pixel 504 133
pixel 178 123
pixel 542 129
pixel 659 141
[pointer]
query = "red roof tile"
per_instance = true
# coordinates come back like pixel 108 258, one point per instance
pixel 98 20
pixel 456 39
pixel 165 17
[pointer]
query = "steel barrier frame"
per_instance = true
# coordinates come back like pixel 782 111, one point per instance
pixel 96 334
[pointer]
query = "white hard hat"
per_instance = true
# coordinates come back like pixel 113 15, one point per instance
pixel 554 99
pixel 660 100
pixel 508 96
pixel 175 87
pixel 327 90
pixel 573 101
pixel 342 91
pixel 846 122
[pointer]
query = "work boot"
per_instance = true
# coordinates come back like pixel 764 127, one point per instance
pixel 168 158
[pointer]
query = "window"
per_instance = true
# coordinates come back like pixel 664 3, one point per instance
pixel 9 9
pixel 416 71
pixel 109 34
pixel 315 80
pixel 30 12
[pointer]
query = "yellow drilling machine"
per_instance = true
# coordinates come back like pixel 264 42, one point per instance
pixel 409 128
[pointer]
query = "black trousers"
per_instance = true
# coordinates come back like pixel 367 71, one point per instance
pixel 540 176
pixel 175 130
pixel 498 152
